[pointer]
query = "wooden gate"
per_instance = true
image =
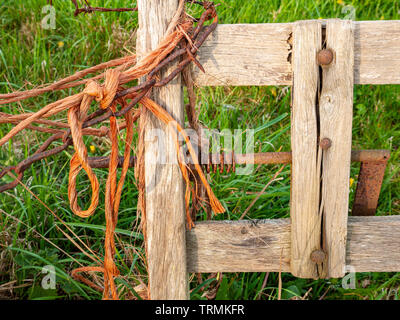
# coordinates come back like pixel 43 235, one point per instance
pixel 321 60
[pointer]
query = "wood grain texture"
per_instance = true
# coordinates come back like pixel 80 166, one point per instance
pixel 264 245
pixel 246 54
pixel 373 244
pixel 165 209
pixel 232 246
pixel 258 54
pixel 377 52
pixel 336 114
pixel 305 178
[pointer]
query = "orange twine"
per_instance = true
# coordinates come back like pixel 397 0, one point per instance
pixel 78 106
pixel 104 95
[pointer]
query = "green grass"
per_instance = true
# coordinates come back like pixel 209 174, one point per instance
pixel 30 236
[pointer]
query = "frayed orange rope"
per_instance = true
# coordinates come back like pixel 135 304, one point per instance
pixel 165 117
pixel 68 82
pixel 142 68
pixel 78 105
pixel 105 95
pixel 80 161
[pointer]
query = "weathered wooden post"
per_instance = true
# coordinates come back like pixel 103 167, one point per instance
pixel 165 208
pixel 321 144
pixel 336 116
pixel 304 204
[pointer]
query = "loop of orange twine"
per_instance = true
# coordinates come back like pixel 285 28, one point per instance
pixel 105 96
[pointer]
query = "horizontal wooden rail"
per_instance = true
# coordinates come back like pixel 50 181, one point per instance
pixel 260 54
pixel 264 245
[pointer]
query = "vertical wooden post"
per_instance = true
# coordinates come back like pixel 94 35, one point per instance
pixel 165 208
pixel 322 111
pixel 336 114
pixel 304 202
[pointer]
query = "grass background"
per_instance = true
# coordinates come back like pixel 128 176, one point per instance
pixel 30 236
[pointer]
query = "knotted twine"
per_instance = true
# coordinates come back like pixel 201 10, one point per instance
pixel 78 106
pixel 105 96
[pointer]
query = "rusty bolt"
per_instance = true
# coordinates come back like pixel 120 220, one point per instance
pixel 325 57
pixel 317 256
pixel 325 143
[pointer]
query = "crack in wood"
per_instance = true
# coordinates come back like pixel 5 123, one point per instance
pixel 289 41
pixel 320 267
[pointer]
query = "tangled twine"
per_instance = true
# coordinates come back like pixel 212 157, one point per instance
pixel 182 36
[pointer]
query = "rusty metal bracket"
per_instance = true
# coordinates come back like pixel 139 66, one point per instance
pixel 369 186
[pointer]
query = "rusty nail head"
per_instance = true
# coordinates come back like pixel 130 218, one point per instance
pixel 325 57
pixel 317 256
pixel 243 230
pixel 325 143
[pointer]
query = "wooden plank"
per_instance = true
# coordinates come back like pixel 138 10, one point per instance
pixel 259 54
pixel 264 245
pixel 336 114
pixel 377 52
pixel 165 209
pixel 246 54
pixel 225 246
pixel 373 244
pixel 304 199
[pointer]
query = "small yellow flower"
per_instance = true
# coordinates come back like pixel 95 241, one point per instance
pixel 92 148
pixel 273 91
pixel 60 44
pixel 351 182
pixel 339 1
pixel 383 18
pixel 320 18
